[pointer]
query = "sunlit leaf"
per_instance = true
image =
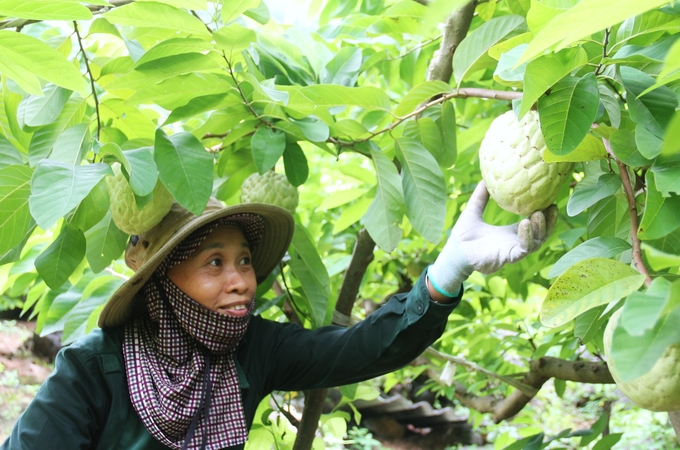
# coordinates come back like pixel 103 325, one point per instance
pixel 61 258
pixel 15 217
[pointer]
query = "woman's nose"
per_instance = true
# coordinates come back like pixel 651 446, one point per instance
pixel 235 281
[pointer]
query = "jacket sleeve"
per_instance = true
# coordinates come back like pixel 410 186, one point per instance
pixel 69 409
pixel 388 339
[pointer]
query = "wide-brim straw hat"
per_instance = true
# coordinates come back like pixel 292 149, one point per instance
pixel 151 248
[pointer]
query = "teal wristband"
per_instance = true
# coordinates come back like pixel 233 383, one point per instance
pixel 440 290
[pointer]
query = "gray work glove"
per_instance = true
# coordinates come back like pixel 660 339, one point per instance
pixel 475 245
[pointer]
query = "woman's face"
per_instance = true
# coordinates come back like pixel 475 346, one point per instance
pixel 219 274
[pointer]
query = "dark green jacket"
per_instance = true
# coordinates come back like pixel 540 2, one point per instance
pixel 85 403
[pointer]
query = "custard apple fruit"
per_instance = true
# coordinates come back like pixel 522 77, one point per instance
pixel 124 211
pixel 658 389
pixel 272 188
pixel 511 160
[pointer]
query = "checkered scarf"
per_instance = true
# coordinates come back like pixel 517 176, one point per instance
pixel 168 349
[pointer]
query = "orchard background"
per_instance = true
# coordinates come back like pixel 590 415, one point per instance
pixel 375 110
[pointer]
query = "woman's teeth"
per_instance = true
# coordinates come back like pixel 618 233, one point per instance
pixel 236 308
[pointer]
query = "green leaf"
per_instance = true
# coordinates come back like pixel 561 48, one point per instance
pixel 624 147
pixel 591 148
pixel 424 189
pixel 655 109
pixel 310 271
pixel 79 319
pixel 15 217
pixel 611 104
pixel 587 193
pixel 57 188
pixel 171 47
pixel 586 325
pixel 427 132
pixel 26 52
pixel 314 130
pixel 137 14
pixel 295 164
pixel 339 198
pixel 642 310
pixel 568 112
pixel 607 442
pixel 333 95
pixel 477 43
pixel 44 138
pixel 420 94
pixel 105 243
pixel 56 264
pixel 447 123
pixel 661 215
pixel 648 144
pixel 232 9
pixel 185 168
pixel 352 214
pixel 666 170
pixel 585 285
pixel 72 145
pixel 633 356
pixel 584 19
pixel 93 208
pixel 343 68
pixel 234 38
pixel 45 10
pixel 659 260
pixel 143 173
pixel 387 209
pixel 605 247
pixel 436 11
pixel 9 155
pixel 36 111
pixel 267 146
pixel 547 70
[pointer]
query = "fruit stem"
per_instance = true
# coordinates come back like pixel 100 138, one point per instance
pixel 628 188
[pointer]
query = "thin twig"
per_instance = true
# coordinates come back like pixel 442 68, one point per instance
pixel 91 77
pixel 417 47
pixel 600 66
pixel 632 207
pixel 615 89
pixel 291 418
pixel 460 93
pixel 240 91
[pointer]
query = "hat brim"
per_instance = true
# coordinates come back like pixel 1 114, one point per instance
pixel 276 237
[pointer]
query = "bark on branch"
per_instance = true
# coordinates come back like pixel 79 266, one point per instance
pixel 540 371
pixel 362 256
pixel 455 30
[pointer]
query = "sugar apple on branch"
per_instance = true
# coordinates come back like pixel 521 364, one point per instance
pixel 124 211
pixel 511 160
pixel 271 187
pixel 658 389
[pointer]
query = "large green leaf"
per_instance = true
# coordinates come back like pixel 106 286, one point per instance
pixel 171 47
pixel 588 193
pixel 36 111
pixel 585 285
pixel 45 9
pixel 82 318
pixel 231 10
pixel 9 155
pixel 295 164
pixel 15 217
pixel 655 109
pixel 635 355
pixel 38 58
pixel 547 70
pixel 658 259
pixel 56 264
pixel 625 148
pixel 105 243
pixel 661 215
pixel 643 309
pixel 591 148
pixel 477 43
pixel 143 172
pixel 343 68
pixel 424 189
pixel 93 208
pixel 57 188
pixel 334 95
pixel 311 272
pixel 44 138
pixel 420 94
pixel 267 146
pixel 137 14
pixel 72 145
pixel 185 168
pixel 568 112
pixel 584 19
pixel 234 38
pixel 648 144
pixel 605 247
pixel 384 216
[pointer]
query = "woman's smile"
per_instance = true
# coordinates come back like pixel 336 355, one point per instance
pixel 219 275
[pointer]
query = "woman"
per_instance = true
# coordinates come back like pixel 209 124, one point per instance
pixel 181 363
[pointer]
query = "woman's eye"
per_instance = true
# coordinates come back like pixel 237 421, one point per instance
pixel 216 262
pixel 245 261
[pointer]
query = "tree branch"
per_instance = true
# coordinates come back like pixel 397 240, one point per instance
pixel 632 207
pixel 362 256
pixel 89 75
pixel 455 30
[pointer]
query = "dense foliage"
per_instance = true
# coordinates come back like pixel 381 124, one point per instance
pixel 360 104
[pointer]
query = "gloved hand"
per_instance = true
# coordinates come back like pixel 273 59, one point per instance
pixel 475 245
